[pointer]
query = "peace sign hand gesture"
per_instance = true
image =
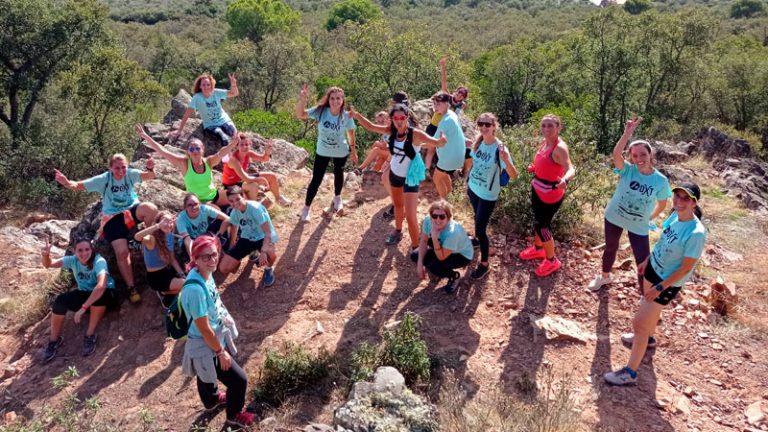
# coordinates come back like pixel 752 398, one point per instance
pixel 631 124
pixel 232 80
pixel 304 92
pixel 46 250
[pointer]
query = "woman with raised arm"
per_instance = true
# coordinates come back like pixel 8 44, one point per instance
pixel 335 142
pixel 95 293
pixel 489 158
pixel 406 168
pixel 665 271
pixel 120 209
pixel 196 170
pixel 640 197
pixel 552 169
pixel 197 219
pixel 210 339
pixel 450 157
pixel 236 173
pixel 206 101
pixel 164 274
pixel 444 246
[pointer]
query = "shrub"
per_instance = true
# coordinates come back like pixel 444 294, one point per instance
pixel 290 370
pixel 402 348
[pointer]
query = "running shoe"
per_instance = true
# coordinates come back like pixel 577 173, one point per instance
pixel 241 420
pixel 599 281
pixel 480 272
pixel 532 253
pixel 414 254
pixel 89 345
pixel 453 283
pixel 304 214
pixel 284 202
pixel 389 213
pixel 547 267
pixel 338 204
pixel 621 377
pixel 394 238
pixel 269 276
pixel 52 349
pixel 628 338
pixel 221 401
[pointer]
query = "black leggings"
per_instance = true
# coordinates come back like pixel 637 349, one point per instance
pixel 444 268
pixel 543 214
pixel 235 380
pixel 318 171
pixel 483 209
pixel 641 248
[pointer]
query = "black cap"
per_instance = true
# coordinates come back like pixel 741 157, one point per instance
pixel 400 97
pixel 691 189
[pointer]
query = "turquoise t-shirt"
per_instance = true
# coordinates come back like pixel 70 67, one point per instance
pixel 635 198
pixel 451 155
pixel 485 174
pixel 452 237
pixel 87 279
pixel 249 222
pixel 198 226
pixel 197 302
pixel 116 195
pixel 210 109
pixel 331 132
pixel 678 240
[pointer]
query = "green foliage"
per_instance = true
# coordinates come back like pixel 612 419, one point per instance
pixel 402 348
pixel 747 8
pixel 356 11
pixel 289 371
pixel 253 19
pixel 637 6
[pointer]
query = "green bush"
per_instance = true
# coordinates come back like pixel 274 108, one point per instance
pixel 290 370
pixel 402 348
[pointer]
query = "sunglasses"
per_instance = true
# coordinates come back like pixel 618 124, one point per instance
pixel 194 148
pixel 440 216
pixel 399 117
pixel 208 257
pixel 484 124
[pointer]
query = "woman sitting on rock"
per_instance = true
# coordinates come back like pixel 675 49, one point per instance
pixel 120 209
pixel 335 142
pixel 210 337
pixel 95 293
pixel 444 246
pixel 236 172
pixel 206 101
pixel 671 263
pixel 164 274
pixel 197 219
pixel 251 233
pixel 403 183
pixel 196 169
pixel 640 197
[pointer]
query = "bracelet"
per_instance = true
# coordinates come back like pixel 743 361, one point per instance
pixel 84 307
pixel 219 351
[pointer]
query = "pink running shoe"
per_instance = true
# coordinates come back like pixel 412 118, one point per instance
pixel 532 253
pixel 241 420
pixel 547 267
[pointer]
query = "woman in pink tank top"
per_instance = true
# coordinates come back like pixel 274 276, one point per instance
pixel 552 170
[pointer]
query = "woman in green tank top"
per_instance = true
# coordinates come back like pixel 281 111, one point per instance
pixel 195 169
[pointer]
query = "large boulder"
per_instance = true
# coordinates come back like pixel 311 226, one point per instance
pixel 714 143
pixel 386 405
pixel 178 107
pixel 57 231
pixel 423 110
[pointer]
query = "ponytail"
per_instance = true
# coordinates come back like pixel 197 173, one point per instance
pixel 698 212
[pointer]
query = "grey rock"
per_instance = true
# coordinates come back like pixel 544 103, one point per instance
pixel 423 110
pixel 318 427
pixel 178 106
pixel 57 231
pixel 388 379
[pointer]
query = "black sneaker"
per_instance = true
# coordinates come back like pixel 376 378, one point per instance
pixel 51 349
pixel 389 214
pixel 453 282
pixel 414 254
pixel 480 272
pixel 89 345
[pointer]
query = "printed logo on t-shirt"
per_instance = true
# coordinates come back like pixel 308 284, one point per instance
pixel 644 189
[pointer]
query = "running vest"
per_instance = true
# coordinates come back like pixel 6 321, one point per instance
pixel 200 184
pixel 547 173
pixel 229 176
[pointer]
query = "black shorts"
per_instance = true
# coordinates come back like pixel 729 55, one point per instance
pixel 431 129
pixel 396 181
pixel 160 280
pixel 665 296
pixel 115 228
pixel 467 153
pixel 243 247
pixel 75 299
pixel 449 172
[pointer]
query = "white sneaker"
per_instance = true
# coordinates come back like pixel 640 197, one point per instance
pixel 284 202
pixel 628 338
pixel 599 281
pixel 338 204
pixel 304 214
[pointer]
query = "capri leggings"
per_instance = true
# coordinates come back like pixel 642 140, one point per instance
pixel 235 380
pixel 483 209
pixel 318 171
pixel 543 214
pixel 641 248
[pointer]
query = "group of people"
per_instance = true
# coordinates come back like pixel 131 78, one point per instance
pixel 218 227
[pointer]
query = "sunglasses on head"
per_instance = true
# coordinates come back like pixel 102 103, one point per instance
pixel 194 148
pixel 399 117
pixel 440 216
pixel 484 124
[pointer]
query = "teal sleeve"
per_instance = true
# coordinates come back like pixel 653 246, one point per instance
pixel 100 266
pixel 221 94
pixel 134 175
pixel 97 183
pixel 193 301
pixel 624 171
pixel 664 192
pixel 350 123
pixel 181 225
pixel 193 102
pixel 68 262
pixel 695 245
pixel 261 215
pixel 313 113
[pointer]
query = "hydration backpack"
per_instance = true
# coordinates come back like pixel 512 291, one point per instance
pixel 176 321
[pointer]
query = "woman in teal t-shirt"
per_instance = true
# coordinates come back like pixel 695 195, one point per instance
pixel 640 197
pixel 95 293
pixel 444 246
pixel 206 101
pixel 489 158
pixel 664 273
pixel 335 142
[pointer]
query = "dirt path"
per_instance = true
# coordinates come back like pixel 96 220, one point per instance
pixel 339 273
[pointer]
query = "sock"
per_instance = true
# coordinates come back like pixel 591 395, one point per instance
pixel 630 371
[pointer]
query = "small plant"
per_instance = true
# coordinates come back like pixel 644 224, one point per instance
pixel 363 362
pixel 290 370
pixel 64 379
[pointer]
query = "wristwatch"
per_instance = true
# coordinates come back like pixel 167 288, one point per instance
pixel 658 287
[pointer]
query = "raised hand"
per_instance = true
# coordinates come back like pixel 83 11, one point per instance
pixel 60 177
pixel 504 154
pixel 150 165
pixel 632 123
pixel 304 92
pixel 46 250
pixel 139 130
pixel 443 60
pixel 232 80
pixel 353 113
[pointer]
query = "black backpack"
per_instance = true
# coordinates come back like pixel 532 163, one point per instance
pixel 407 145
pixel 176 321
